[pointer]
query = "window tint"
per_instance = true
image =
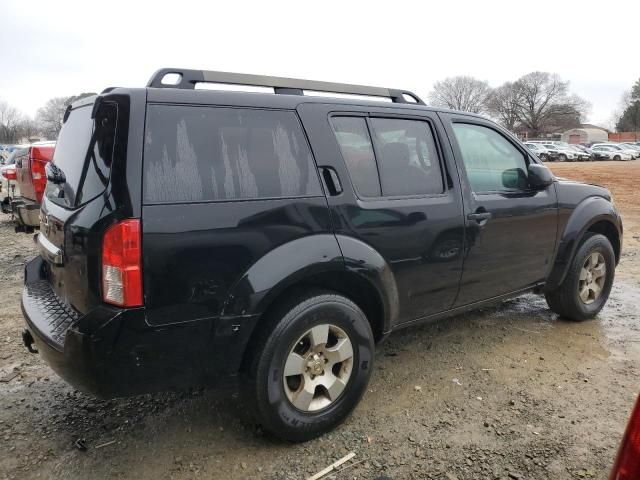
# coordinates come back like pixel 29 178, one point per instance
pixel 204 153
pixel 356 148
pixel 84 155
pixel 407 157
pixel 491 161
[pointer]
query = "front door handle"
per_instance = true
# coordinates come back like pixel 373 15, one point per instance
pixel 480 217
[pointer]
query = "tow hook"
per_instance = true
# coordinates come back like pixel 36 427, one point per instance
pixel 27 338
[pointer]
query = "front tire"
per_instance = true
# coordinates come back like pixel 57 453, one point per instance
pixel 586 288
pixel 311 367
pixel 617 158
pixel 562 157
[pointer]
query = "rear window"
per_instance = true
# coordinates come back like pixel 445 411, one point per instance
pixel 197 154
pixel 84 153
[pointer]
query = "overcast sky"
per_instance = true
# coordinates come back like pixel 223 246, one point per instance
pixel 61 48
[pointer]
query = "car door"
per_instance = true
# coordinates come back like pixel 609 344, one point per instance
pixel 510 227
pixel 396 196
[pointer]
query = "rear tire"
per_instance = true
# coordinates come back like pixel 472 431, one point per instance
pixel 586 288
pixel 298 383
pixel 562 157
pixel 616 158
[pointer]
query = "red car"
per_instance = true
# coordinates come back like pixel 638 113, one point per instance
pixel 627 466
pixel 31 179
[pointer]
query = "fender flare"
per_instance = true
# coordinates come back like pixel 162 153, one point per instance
pixel 588 212
pixel 301 259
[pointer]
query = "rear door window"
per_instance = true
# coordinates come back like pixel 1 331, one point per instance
pixel 195 154
pixel 357 151
pixel 84 152
pixel 408 157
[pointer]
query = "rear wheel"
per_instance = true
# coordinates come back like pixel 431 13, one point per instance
pixel 544 157
pixel 311 366
pixel 562 157
pixel 586 287
pixel 616 158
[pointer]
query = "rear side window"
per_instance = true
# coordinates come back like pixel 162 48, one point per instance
pixel 405 163
pixel 357 151
pixel 84 152
pixel 407 157
pixel 211 153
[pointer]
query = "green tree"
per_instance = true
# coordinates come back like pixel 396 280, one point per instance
pixel 629 121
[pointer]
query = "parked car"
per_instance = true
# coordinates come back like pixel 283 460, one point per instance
pixel 613 152
pixel 632 146
pixel 594 155
pixel 562 154
pixel 539 150
pixel 31 180
pixel 580 154
pixel 8 176
pixel 622 148
pixel 627 464
pixel 189 235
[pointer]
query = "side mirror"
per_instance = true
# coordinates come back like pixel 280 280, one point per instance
pixel 54 174
pixel 540 177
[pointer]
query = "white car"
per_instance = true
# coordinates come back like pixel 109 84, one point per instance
pixel 540 151
pixel 621 147
pixel 614 152
pixel 564 153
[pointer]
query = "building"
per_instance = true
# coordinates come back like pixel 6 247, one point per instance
pixel 586 133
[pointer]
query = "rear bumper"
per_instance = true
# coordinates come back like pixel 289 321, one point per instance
pixel 26 211
pixel 111 352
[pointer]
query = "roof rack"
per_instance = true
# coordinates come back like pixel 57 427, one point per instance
pixel 187 79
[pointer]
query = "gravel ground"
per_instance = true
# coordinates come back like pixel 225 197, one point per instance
pixel 509 392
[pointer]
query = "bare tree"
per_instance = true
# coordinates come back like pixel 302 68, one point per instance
pixel 10 119
pixel 50 116
pixel 460 93
pixel 544 102
pixel 503 104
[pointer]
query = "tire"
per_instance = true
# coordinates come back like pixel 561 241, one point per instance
pixel 544 157
pixel 616 158
pixel 562 157
pixel 566 300
pixel 287 334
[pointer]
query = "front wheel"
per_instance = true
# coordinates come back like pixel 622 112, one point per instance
pixel 586 288
pixel 562 157
pixel 311 367
pixel 617 158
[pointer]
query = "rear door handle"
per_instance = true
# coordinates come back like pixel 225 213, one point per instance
pixel 480 217
pixel 331 180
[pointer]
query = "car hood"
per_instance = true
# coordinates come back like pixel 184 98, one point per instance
pixel 591 188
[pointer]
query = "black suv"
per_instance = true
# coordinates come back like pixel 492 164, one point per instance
pixel 189 235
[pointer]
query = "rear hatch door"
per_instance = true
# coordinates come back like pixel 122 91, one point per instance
pixel 76 202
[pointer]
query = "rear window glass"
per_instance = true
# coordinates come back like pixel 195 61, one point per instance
pixel 84 155
pixel 210 153
pixel 356 148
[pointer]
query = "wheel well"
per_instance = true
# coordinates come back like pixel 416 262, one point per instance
pixel 358 290
pixel 609 230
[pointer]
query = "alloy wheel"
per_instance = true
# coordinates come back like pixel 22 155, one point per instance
pixel 318 368
pixel 592 277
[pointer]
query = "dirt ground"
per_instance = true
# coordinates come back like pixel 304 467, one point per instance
pixel 508 392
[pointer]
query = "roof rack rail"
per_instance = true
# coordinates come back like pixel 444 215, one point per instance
pixel 187 79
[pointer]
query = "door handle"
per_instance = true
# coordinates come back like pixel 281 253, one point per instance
pixel 480 217
pixel 331 180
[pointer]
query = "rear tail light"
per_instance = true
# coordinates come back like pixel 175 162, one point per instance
pixel 121 264
pixel 39 178
pixel 10 173
pixel 627 466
